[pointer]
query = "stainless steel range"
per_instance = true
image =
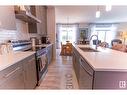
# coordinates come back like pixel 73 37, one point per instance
pixel 41 58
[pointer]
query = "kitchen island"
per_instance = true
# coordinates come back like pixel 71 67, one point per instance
pixel 105 69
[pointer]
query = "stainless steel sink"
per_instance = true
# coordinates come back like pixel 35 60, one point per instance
pixel 88 49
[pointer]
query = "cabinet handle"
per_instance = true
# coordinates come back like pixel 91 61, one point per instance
pixel 7 75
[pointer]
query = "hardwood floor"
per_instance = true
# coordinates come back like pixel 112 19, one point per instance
pixel 60 74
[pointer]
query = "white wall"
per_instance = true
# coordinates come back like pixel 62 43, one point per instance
pixel 83 25
pixel 122 27
pixel 51 28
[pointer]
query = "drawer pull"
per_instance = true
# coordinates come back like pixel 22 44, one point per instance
pixel 7 75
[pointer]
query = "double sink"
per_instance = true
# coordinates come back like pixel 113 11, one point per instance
pixel 88 49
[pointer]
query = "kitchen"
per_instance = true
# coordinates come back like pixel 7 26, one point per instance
pixel 30 48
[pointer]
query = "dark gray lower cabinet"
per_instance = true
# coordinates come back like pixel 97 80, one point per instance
pixel 110 80
pixel 76 64
pixel 30 78
pixel 21 75
pixel 49 53
pixel 12 77
pixel 85 75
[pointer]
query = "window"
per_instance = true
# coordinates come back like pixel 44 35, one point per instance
pixel 67 34
pixel 105 34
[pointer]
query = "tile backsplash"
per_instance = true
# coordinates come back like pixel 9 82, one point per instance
pixel 7 35
pixel 20 34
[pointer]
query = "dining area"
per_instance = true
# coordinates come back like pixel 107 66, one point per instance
pixel 66 49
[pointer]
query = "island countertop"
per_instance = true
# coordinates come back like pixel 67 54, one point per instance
pixel 104 60
pixel 7 60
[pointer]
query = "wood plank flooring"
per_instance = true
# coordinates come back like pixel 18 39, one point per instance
pixel 60 74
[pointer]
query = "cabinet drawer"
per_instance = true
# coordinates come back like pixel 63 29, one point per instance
pixel 10 71
pixel 27 61
pixel 85 79
pixel 86 66
pixel 14 80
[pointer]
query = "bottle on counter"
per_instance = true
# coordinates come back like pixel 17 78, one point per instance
pixel 10 47
pixel 3 49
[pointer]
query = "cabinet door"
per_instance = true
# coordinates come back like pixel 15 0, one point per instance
pixel 49 54
pixel 30 73
pixel 76 63
pixel 41 13
pixel 86 76
pixel 7 18
pixel 108 80
pixel 12 79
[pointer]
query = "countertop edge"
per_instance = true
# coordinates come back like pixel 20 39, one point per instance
pixel 8 65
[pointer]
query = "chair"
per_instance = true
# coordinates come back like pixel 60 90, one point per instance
pixel 120 47
pixel 116 41
pixel 104 44
pixel 63 49
pixel 68 49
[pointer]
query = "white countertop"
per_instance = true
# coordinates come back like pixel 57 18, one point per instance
pixel 7 60
pixel 105 60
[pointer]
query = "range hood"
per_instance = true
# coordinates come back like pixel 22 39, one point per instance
pixel 27 17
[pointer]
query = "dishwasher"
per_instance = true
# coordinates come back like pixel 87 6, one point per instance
pixel 85 75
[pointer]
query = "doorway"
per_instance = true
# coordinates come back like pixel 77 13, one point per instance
pixel 65 33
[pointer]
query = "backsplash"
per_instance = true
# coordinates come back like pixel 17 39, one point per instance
pixel 20 34
pixel 7 35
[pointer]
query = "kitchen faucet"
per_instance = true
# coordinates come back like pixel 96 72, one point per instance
pixel 96 40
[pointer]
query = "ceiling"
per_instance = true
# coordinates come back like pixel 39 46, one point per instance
pixel 86 14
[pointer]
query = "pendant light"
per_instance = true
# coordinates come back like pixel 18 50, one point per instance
pixel 98 13
pixel 108 8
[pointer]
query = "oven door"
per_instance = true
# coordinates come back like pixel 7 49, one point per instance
pixel 41 65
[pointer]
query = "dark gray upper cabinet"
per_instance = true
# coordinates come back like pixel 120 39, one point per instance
pixel 7 18
pixel 41 13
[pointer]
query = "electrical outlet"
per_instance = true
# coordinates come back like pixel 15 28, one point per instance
pixel 122 84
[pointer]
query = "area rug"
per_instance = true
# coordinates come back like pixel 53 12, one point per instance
pixel 65 54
